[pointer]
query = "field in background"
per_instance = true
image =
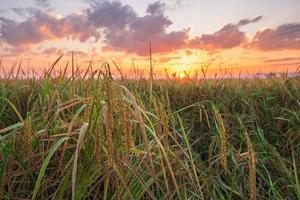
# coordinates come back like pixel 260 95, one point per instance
pixel 92 137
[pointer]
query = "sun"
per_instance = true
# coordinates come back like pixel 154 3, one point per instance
pixel 184 65
pixel 181 71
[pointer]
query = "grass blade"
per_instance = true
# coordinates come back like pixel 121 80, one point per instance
pixel 45 164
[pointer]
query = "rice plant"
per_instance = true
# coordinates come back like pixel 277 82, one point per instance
pixel 93 136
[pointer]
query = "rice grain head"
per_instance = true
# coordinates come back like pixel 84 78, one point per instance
pixel 223 138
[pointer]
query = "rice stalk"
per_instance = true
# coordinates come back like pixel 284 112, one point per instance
pixel 223 137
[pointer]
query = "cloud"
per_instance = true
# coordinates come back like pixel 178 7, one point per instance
pixel 63 51
pixel 244 22
pixel 11 51
pixel 286 64
pixel 286 36
pixel 76 53
pixel 42 3
pixel 45 26
pixel 287 59
pixel 168 58
pixel 126 31
pixel 19 11
pixel 24 12
pixel 122 28
pixel 110 14
pixel 227 37
pixel 156 8
pixel 152 28
pixel 177 4
pixel 53 50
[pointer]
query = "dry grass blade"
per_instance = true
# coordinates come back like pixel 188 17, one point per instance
pixel 139 117
pixel 251 164
pixel 14 108
pixel 143 130
pixel 297 185
pixel 252 170
pixel 108 132
pixel 15 126
pixel 78 147
pixel 252 174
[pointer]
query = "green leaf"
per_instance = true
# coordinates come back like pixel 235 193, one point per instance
pixel 45 164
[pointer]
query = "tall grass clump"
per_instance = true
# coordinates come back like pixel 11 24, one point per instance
pixel 93 136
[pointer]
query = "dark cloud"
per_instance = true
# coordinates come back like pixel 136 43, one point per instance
pixel 152 28
pixel 78 27
pixel 177 4
pixel 43 26
pixel 110 14
pixel 42 3
pixel 128 32
pixel 156 8
pixel 19 33
pixel 122 28
pixel 244 22
pixel 286 36
pixel 19 11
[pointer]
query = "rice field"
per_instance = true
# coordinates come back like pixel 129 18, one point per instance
pixel 91 136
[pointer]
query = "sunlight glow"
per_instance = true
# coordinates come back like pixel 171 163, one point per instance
pixel 181 71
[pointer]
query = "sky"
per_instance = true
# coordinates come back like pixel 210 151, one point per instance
pixel 187 36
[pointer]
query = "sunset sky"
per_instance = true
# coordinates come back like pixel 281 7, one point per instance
pixel 186 35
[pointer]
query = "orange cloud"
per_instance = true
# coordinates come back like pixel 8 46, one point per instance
pixel 286 36
pixel 229 36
